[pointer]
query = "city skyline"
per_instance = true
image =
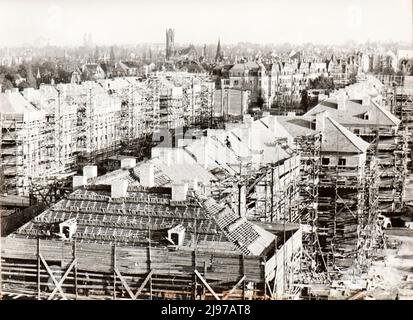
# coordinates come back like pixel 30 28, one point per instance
pixel 264 21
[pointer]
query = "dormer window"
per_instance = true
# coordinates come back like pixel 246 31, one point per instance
pixel 176 235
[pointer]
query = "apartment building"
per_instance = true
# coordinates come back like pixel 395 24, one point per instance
pixel 373 123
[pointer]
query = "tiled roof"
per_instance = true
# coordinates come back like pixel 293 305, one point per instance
pixel 352 115
pixel 335 136
pixel 126 221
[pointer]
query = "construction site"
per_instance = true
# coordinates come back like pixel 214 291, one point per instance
pixel 126 190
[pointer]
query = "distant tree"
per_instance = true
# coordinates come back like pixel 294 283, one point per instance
pixel 22 70
pixel 85 76
pixel 23 85
pixel 112 54
pixel 352 78
pixel 63 76
pixel 30 79
pixel 410 68
pixel 304 103
pixel 260 102
pixel 313 101
pixel 388 71
pixel 97 54
pixel 322 82
pixel 5 83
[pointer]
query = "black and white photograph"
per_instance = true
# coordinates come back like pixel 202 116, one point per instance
pixel 181 150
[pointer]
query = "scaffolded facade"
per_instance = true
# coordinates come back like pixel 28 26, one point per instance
pixel 86 123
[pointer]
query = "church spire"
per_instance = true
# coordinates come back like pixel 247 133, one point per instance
pixel 218 56
pixel 204 51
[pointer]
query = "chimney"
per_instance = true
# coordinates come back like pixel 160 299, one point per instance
pixel 15 90
pixel 265 114
pixel 366 100
pixel 118 189
pixel 7 92
pixel 291 114
pixel 0 87
pixel 90 171
pixel 320 121
pixel 128 163
pixel 147 175
pixel 341 101
pixel 79 181
pixel 179 191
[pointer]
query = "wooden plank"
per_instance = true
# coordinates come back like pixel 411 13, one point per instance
pixel 225 297
pixel 125 284
pixel 51 275
pixel 149 276
pixel 63 279
pixel 207 285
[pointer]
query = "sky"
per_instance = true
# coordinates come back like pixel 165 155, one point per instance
pixel 204 21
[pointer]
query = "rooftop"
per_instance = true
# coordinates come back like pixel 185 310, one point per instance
pixel 354 111
pixel 146 214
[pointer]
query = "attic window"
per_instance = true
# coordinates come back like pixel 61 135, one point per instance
pixel 341 162
pixel 366 116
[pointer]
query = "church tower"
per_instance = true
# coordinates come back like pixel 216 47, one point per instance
pixel 170 43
